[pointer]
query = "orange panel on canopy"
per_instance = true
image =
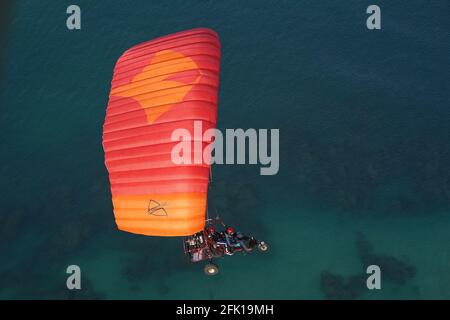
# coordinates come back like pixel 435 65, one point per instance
pixel 157 87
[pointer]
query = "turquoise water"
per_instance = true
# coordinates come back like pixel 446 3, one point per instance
pixel 364 130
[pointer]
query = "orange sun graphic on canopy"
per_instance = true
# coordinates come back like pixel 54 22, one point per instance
pixel 146 87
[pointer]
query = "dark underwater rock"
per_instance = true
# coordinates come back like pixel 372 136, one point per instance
pixel 71 236
pixel 237 204
pixel 364 248
pixel 336 287
pixel 354 171
pixel 392 269
pixel 163 289
pixel 10 223
pixel 138 268
pixel 232 197
pixel 87 292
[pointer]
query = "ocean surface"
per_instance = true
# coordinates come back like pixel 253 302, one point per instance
pixel 364 175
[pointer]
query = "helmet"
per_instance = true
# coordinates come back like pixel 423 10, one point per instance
pixel 211 229
pixel 230 230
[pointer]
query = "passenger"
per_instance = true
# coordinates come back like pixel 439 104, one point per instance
pixel 236 239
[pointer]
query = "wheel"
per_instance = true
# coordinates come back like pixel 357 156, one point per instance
pixel 211 269
pixel 263 247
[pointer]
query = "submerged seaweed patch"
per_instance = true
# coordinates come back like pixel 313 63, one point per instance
pixel 336 287
pixel 393 270
pixel 238 204
pixel 378 171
